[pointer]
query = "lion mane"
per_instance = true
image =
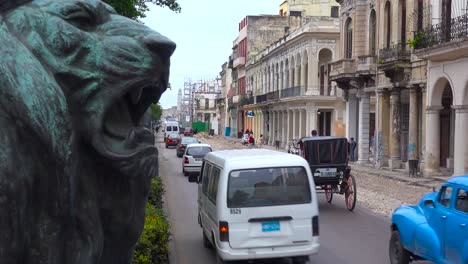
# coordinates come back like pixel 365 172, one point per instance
pixel 75 81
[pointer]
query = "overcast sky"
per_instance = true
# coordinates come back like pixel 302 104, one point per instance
pixel 204 32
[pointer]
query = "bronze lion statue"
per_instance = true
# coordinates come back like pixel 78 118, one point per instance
pixel 75 80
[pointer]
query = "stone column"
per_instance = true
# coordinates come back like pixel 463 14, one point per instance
pixel 363 143
pixel 297 80
pixel 312 79
pixel 300 123
pixel 383 128
pixel 395 149
pixel 272 80
pixel 461 142
pixel 294 124
pixel 273 131
pixel 283 129
pixel 432 157
pixel 288 133
pixel 270 126
pixel 413 137
pixel 352 105
pixel 285 77
pixel 291 77
pixel 303 74
pixel 312 121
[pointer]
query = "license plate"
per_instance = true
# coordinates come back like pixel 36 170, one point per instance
pixel 328 172
pixel 198 159
pixel 271 226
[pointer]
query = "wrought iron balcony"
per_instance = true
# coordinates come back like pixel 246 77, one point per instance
pixel 454 30
pixel 293 91
pixel 397 52
pixel 261 98
pixel 271 96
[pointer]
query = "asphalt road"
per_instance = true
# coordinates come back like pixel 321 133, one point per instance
pixel 359 237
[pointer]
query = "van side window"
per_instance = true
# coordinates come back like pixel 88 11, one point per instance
pixel 206 178
pixel 213 186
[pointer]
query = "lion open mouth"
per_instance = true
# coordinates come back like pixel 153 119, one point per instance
pixel 122 131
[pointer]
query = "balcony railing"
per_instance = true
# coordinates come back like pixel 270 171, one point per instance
pixel 272 96
pixel 261 98
pixel 246 101
pixel 293 91
pixel 344 68
pixel 456 29
pixel 394 53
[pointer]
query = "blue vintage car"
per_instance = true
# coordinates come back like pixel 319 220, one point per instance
pixel 436 229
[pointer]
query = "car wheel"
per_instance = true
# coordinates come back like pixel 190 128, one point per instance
pixel 300 260
pixel 167 146
pixel 398 254
pixel 185 173
pixel 206 241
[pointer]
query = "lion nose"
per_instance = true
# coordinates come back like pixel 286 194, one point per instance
pixel 161 45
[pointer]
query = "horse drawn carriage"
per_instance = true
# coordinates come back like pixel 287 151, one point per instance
pixel 328 161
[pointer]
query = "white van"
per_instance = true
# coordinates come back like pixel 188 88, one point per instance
pixel 257 204
pixel 170 127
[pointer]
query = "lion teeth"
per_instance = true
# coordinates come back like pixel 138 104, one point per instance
pixel 136 95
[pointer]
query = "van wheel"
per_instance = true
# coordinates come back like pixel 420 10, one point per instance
pixel 219 260
pixel 300 260
pixel 206 241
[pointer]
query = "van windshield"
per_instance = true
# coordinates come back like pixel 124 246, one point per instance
pixel 268 187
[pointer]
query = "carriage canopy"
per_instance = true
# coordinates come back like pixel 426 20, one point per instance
pixel 325 150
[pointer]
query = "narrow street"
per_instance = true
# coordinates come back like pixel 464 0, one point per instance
pixel 346 237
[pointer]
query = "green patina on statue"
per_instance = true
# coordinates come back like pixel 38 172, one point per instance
pixel 75 80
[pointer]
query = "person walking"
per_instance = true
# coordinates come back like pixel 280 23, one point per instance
pixel 352 148
pixel 251 140
pixel 261 141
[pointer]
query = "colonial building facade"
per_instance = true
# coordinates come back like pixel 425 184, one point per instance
pixel 418 110
pixel 444 44
pixel 290 92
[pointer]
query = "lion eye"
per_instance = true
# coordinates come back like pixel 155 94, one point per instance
pixel 80 18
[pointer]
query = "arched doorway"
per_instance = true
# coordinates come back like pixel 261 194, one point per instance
pixel 446 128
pixel 325 57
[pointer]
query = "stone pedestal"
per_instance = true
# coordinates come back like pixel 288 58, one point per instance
pixel 395 150
pixel 363 143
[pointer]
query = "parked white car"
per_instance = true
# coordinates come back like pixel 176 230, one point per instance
pixel 193 158
pixel 258 204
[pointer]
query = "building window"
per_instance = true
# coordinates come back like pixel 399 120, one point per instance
pixel 420 15
pixel 387 23
pixel 295 13
pixel 372 32
pixel 349 39
pixel 403 22
pixel 334 11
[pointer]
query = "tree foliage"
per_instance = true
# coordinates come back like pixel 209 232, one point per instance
pixel 156 111
pixel 136 9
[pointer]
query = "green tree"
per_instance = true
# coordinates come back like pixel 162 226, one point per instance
pixel 136 9
pixel 156 111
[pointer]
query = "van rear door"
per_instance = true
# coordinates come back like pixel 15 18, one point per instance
pixel 269 207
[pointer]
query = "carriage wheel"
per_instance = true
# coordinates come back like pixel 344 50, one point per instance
pixel 350 193
pixel 328 193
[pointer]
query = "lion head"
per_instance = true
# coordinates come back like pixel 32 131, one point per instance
pixel 76 79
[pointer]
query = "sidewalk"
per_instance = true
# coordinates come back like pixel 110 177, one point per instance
pixel 368 169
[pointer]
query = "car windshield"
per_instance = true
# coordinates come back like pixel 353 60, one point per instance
pixel 268 187
pixel 198 151
pixel 189 140
pixel 173 135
